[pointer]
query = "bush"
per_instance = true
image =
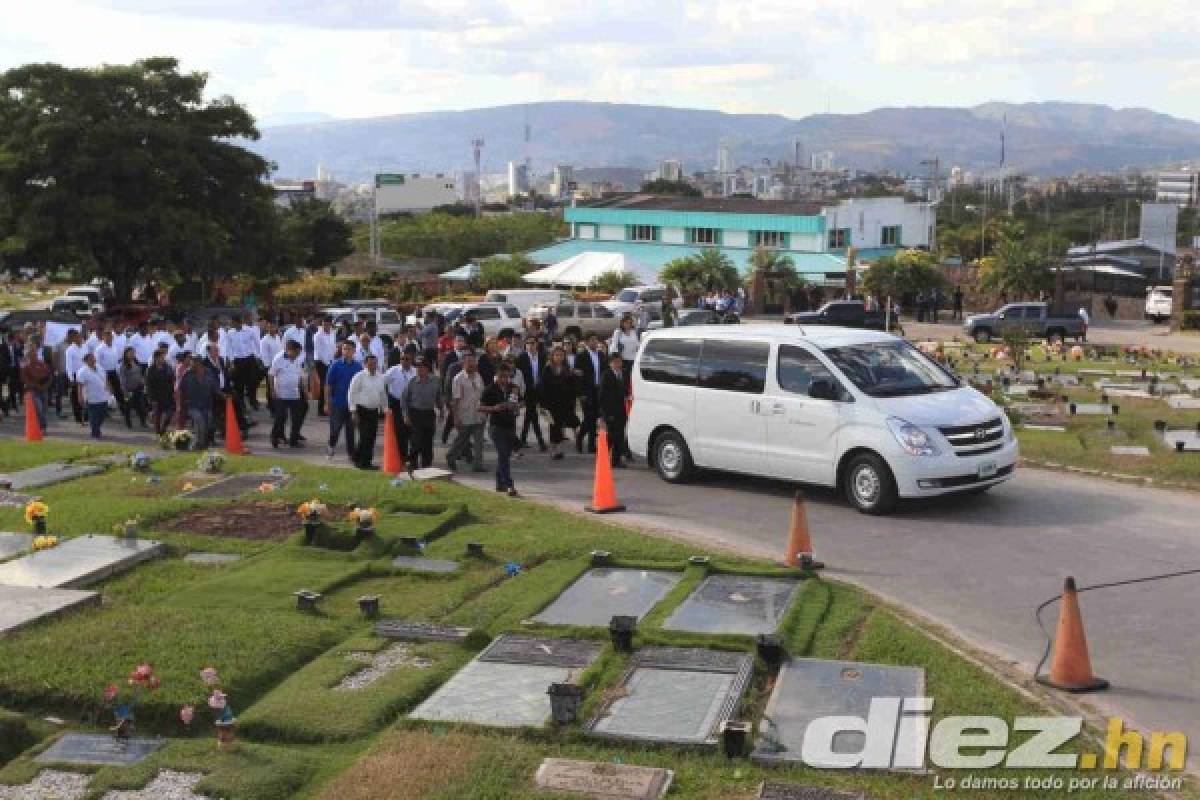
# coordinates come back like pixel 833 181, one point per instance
pixel 317 289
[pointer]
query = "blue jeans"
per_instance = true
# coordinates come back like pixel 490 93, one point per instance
pixel 96 412
pixel 503 440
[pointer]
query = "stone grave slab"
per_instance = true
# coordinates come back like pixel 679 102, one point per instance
pixel 1092 409
pixel 1048 428
pixel 1095 372
pixel 1129 450
pixel 1190 439
pixel 233 486
pixel 47 475
pixel 98 750
pixel 14 499
pixel 1065 380
pixel 542 651
pixel 602 780
pixel 734 604
pixel 675 695
pixel 13 544
pixel 809 688
pixel 425 564
pixel 1019 390
pixel 793 791
pixel 22 605
pixel 420 631
pixel 602 593
pixel 1182 401
pixel 1140 394
pixel 1191 384
pixel 495 694
pixel 1130 373
pixel 425 474
pixel 78 562
pixel 215 559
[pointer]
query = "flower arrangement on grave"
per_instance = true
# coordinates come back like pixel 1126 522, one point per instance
pixel 44 542
pixel 267 487
pixel 310 514
pixel 141 682
pixel 139 461
pixel 187 487
pixel 179 440
pixel 211 462
pixel 218 702
pixel 364 521
pixel 35 515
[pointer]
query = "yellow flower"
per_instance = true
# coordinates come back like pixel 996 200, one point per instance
pixel 187 487
pixel 35 509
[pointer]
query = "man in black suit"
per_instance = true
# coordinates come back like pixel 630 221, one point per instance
pixel 589 366
pixel 612 408
pixel 530 363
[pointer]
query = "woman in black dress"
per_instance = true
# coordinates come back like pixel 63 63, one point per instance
pixel 558 394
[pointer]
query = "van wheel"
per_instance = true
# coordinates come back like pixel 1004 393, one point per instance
pixel 672 459
pixel 983 336
pixel 869 484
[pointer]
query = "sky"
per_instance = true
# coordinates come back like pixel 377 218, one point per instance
pixel 364 58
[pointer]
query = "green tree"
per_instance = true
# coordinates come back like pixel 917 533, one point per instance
pixel 1016 269
pixel 613 281
pixel 318 235
pixel 906 272
pixel 499 273
pixel 706 271
pixel 120 171
pixel 456 240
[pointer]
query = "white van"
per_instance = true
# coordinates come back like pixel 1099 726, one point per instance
pixel 626 300
pixel 861 410
pixel 525 299
pixel 92 294
pixel 1158 303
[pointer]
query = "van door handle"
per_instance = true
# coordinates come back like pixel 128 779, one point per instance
pixel 778 408
pixel 755 407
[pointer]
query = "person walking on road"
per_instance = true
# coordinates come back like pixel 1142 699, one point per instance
pixel 465 391
pixel 958 304
pixel 197 390
pixel 625 340
pixel 367 396
pixel 133 386
pixel 612 408
pixel 422 404
pixel 36 376
pixel 500 402
pixel 337 390
pixel 160 390
pixel 531 363
pixel 285 379
pixel 558 397
pixel 397 378
pixel 589 367
pixel 92 386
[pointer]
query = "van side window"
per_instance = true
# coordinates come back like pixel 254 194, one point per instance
pixel 734 366
pixel 797 369
pixel 675 361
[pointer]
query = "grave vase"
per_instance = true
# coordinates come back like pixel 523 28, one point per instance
pixel 564 702
pixel 226 735
pixel 311 527
pixel 39 525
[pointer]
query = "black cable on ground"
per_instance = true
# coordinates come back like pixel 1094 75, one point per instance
pixel 1080 590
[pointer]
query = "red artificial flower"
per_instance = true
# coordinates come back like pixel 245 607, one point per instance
pixel 186 714
pixel 110 692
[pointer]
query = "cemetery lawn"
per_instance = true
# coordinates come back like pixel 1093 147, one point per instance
pixel 299 737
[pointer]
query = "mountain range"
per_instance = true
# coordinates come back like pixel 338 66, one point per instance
pixel 1039 138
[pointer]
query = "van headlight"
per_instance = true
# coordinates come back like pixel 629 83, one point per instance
pixel 914 440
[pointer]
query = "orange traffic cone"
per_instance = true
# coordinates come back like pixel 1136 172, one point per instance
pixel 604 492
pixel 33 428
pixel 233 432
pixel 393 461
pixel 1071 667
pixel 799 546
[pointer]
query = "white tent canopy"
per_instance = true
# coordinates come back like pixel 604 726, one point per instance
pixel 582 269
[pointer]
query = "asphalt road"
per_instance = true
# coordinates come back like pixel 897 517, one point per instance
pixel 1122 332
pixel 978 566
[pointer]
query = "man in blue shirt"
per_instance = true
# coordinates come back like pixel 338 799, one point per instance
pixel 337 389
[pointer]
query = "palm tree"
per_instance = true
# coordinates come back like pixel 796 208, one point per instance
pixel 715 270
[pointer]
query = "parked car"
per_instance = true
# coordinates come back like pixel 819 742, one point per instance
pixel 1158 303
pixel 72 304
pixel 580 319
pixel 18 319
pixel 626 300
pixel 1034 319
pixel 863 411
pixel 699 316
pixel 498 319
pixel 525 299
pixel 387 320
pixel 845 313
pixel 93 294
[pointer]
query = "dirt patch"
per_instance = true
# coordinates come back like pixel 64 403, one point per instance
pixel 407 766
pixel 259 520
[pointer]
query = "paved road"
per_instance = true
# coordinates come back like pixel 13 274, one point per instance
pixel 1122 332
pixel 979 566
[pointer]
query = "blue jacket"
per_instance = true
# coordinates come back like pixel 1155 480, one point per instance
pixel 338 380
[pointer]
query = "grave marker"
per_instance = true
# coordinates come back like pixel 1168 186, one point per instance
pixel 420 631
pixel 792 791
pixel 98 750
pixel 12 544
pixel 78 562
pixel 47 475
pixel 734 604
pixel 418 564
pixel 603 781
pixel 22 605
pixel 602 593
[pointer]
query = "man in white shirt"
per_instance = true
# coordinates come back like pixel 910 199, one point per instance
pixel 367 397
pixel 242 350
pixel 286 382
pixel 397 378
pixel 296 332
pixel 72 362
pixel 108 358
pixel 269 346
pixel 160 335
pixel 465 392
pixel 324 354
pixel 144 345
pixel 92 392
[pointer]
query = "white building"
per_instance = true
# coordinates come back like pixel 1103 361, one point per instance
pixel 414 193
pixel 518 179
pixel 1180 186
pixel 870 222
pixel 670 170
pixel 822 162
pixel 561 180
pixel 724 162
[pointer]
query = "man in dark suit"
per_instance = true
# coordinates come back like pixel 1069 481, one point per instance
pixel 531 363
pixel 612 408
pixel 589 366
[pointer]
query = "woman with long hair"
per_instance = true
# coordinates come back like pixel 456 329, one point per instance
pixel 133 385
pixel 558 395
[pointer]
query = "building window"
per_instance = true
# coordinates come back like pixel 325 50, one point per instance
pixel 643 233
pixel 889 235
pixel 839 238
pixel 770 239
pixel 704 236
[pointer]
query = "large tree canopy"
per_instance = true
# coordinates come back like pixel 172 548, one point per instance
pixel 126 171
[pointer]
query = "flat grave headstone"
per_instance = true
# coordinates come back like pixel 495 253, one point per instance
pixel 22 605
pixel 603 780
pixel 12 544
pixel 1105 383
pixel 1190 439
pixel 1018 390
pixel 1182 401
pixel 1047 428
pixel 1095 372
pixel 426 474
pixel 1092 409
pixel 47 475
pixel 418 564
pixel 420 631
pixel 1140 394
pixel 742 604
pixel 233 486
pixel 542 651
pixel 792 791
pixel 675 695
pixel 1065 380
pixel 602 593
pixel 1129 450
pixel 1130 373
pixel 214 559
pixel 1191 384
pixel 810 688
pixel 12 499
pixel 78 562
pixel 98 750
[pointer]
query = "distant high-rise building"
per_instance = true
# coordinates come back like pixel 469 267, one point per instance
pixel 798 153
pixel 518 179
pixel 670 170
pixel 822 162
pixel 561 180
pixel 724 163
pixel 1179 186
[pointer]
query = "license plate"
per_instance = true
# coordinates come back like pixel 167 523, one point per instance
pixel 987 470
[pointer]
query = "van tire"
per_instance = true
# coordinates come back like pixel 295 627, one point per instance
pixel 869 485
pixel 983 335
pixel 672 459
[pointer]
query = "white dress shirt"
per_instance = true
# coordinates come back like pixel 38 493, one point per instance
pixel 325 346
pixel 143 347
pixel 92 343
pixel 368 391
pixel 295 334
pixel 268 348
pixel 397 378
pixel 73 359
pixel 288 376
pixel 108 357
pixel 94 383
pixel 241 343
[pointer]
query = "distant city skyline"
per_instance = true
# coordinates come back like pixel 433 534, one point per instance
pixel 362 58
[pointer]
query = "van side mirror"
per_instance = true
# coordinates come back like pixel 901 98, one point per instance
pixel 1000 315
pixel 822 389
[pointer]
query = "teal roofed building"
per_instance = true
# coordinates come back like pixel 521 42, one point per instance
pixel 654 230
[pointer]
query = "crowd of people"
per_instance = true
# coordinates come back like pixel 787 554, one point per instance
pixel 438 379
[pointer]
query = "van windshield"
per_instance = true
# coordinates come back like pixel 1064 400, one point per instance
pixel 627 296
pixel 890 369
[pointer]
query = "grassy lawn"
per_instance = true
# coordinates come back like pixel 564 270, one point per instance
pixel 301 737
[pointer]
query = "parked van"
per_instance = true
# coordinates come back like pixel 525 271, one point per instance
pixel 626 300
pixel 387 320
pixel 525 299
pixel 860 410
pixel 1158 303
pixel 93 294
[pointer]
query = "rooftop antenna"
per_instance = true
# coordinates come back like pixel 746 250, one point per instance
pixel 477 146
